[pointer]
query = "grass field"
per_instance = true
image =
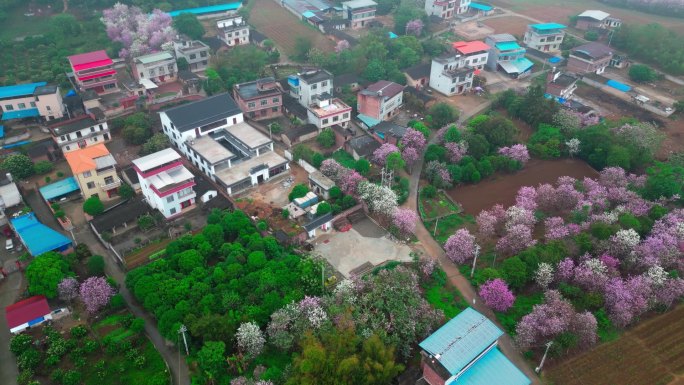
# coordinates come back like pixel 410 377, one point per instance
pixel 281 26
pixel 650 354
pixel 559 11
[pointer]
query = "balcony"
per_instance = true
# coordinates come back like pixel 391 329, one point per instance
pixel 106 186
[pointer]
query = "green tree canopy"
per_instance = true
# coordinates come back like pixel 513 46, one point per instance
pixel 323 208
pixel 93 206
pixel 19 165
pixel 187 24
pixel 642 73
pixel 326 138
pixel 156 142
pixel 362 166
pixel 298 191
pixel 443 114
pixel 45 272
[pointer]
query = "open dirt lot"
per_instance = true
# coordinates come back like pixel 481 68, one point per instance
pixel 649 354
pixel 508 24
pixel 283 28
pixel 473 30
pixel 559 11
pixel 365 242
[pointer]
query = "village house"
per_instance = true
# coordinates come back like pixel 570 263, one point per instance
pixel 351 80
pixel 359 12
pixel 195 52
pixel 388 132
pixel 380 100
pixel 299 134
pixel 233 31
pixel 95 171
pixel 31 100
pixel 212 134
pixel 157 67
pixel 561 84
pixel 479 9
pixel 450 75
pixel 9 196
pixel 446 9
pixel 361 147
pixel 327 111
pixel 27 313
pixel 121 218
pixel 259 99
pixel 545 37
pixel 165 182
pixel 465 351
pixel 418 76
pixel 320 184
pixel 94 71
pixel 475 53
pixel 591 57
pixel 595 19
pixel 308 84
pixel 506 54
pixel 80 132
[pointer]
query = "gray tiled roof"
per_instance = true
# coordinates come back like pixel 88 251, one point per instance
pixel 188 116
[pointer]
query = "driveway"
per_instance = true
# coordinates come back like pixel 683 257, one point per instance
pixel 364 243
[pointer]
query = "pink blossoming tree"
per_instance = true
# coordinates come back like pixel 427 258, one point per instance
pixel 517 152
pixel 496 294
pixel 68 289
pixel 405 220
pixel 414 138
pixel 95 293
pixel 380 155
pixel 460 247
pixel 138 32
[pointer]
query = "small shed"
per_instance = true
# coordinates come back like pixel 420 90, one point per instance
pixel 323 222
pixel 61 189
pixel 27 313
pixel 320 184
pixel 307 200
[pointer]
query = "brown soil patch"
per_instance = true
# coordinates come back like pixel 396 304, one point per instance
pixel 502 188
pixel 509 24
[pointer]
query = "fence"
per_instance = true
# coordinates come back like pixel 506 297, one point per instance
pixel 306 166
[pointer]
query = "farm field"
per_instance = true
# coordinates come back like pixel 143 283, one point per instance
pixel 547 11
pixel 283 28
pixel 503 187
pixel 514 25
pixel 649 354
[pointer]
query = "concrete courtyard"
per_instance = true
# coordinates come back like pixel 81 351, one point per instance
pixel 364 243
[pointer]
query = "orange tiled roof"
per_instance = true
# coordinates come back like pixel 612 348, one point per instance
pixel 83 160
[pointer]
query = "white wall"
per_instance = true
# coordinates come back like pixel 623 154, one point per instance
pixel 178 138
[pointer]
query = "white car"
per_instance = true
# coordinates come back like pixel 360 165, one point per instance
pixel 9 245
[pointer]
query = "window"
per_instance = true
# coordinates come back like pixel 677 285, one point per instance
pixel 276 100
pixel 453 89
pixel 78 134
pixel 345 115
pixel 325 83
pixel 169 199
pixel 33 104
pixel 9 107
pixel 229 34
pixel 173 210
pixel 204 62
pixel 325 121
pixel 21 105
pixel 264 102
pixel 87 174
pixel 101 128
pixel 314 86
pixel 48 108
pixel 170 66
pixel 91 185
pixel 67 148
pixel 274 109
pixel 92 129
pixel 94 138
pixel 193 56
pixel 106 136
pixel 251 105
pixel 203 54
pixel 234 120
pixel 161 70
pixel 109 180
pixel 142 75
pixel 336 118
pixel 152 72
pixel 63 138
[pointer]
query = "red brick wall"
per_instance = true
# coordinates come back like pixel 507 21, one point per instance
pixel 431 376
pixel 369 106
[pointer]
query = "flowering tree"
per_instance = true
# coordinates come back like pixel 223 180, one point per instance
pixel 427 267
pixel 405 220
pixel 644 135
pixel 95 293
pixel 460 247
pixel 68 289
pixel 544 275
pixel 456 150
pixel 380 199
pixel 516 215
pixel 555 228
pixel 487 220
pixel 573 146
pixel 332 169
pixel 138 32
pixel 550 319
pixel 437 173
pixel 414 138
pixel 526 198
pixel 517 239
pixel 591 274
pixel 380 155
pixel 623 242
pixel 349 181
pixel 627 299
pixel 496 294
pixel 565 270
pixel 410 155
pixel 566 120
pixel 342 45
pixel 517 152
pixel 414 27
pixel 250 339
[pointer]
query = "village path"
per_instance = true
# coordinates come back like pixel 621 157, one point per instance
pixel 435 251
pixel 10 288
pixel 179 368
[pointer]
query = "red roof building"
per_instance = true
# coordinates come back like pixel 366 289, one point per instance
pixel 94 70
pixel 29 312
pixel 475 52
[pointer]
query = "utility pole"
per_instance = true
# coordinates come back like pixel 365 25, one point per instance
pixel 477 252
pixel 541 364
pixel 182 331
pixel 434 232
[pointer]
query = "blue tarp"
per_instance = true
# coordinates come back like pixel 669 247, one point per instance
pixel 555 60
pixel 618 86
pixel 481 7
pixel 393 35
pixel 547 26
pixel 59 188
pixel 208 9
pixel 36 321
pixel 37 237
pixel 71 93
pixel 308 14
pixel 20 114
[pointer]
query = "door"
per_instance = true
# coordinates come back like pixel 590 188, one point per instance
pixel 260 178
pixel 236 42
pixel 161 78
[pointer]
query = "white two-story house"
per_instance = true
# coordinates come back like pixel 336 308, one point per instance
pixel 233 31
pixel 80 132
pixel 157 67
pixel 195 52
pixel 545 37
pixel 165 182
pixel 446 9
pixel 306 85
pixel 450 75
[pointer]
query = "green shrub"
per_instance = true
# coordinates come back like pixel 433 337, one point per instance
pixel 20 343
pixel 298 191
pixel 602 230
pixel 429 191
pixel 323 208
pixel 96 265
pixel 93 206
pixel 117 302
pixel 79 331
pixel 514 271
pixel 145 222
pixel 43 167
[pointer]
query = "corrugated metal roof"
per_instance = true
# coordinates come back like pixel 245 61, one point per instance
pixel 37 237
pixel 493 368
pixel 20 114
pixel 26 310
pixel 462 339
pixel 154 57
pixel 547 26
pixel 359 4
pixel 517 66
pixel 59 188
pixel 367 120
pixel 481 7
pixel 507 46
pixel 208 9
pixel 19 89
pixel 468 47
pixel 594 14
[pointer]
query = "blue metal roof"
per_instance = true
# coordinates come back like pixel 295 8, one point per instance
pixel 59 188
pixel 20 114
pixel 368 121
pixel 19 89
pixel 507 46
pixel 481 7
pixel 208 9
pixel 392 35
pixel 462 339
pixel 308 14
pixel 547 26
pixel 37 237
pixel 2 131
pixel 493 368
pixel 618 86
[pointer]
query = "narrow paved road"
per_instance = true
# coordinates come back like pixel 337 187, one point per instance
pixel 10 288
pixel 179 368
pixel 435 251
